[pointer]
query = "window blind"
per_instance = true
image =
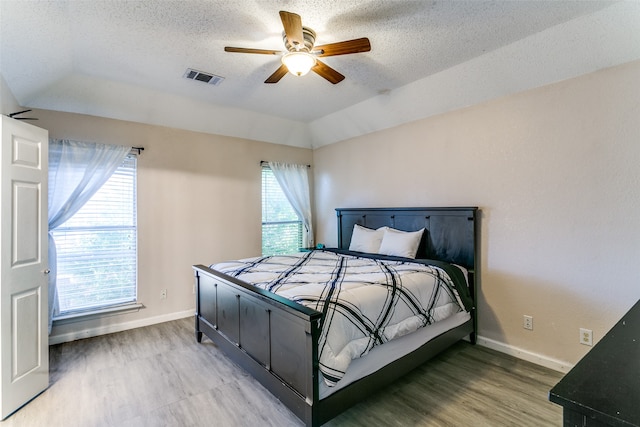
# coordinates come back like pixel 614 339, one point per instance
pixel 97 247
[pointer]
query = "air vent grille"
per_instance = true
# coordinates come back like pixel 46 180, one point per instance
pixel 201 76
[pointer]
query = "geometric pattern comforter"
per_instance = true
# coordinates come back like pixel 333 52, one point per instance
pixel 365 302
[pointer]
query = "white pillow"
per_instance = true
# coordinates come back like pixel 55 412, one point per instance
pixel 365 239
pixel 400 243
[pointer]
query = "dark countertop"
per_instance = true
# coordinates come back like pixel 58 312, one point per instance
pixel 605 384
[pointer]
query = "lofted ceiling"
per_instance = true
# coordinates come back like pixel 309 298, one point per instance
pixel 126 59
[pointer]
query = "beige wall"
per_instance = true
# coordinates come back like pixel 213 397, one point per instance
pixel 556 172
pixel 198 202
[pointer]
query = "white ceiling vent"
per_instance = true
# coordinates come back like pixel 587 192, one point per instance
pixel 201 76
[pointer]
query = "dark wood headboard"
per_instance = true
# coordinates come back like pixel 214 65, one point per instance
pixel 450 233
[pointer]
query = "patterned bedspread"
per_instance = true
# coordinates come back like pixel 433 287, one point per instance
pixel 365 302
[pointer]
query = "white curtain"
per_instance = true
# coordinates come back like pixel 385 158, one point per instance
pixel 77 170
pixel 294 181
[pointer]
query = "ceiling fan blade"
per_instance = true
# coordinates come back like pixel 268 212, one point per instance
pixel 327 72
pixel 343 48
pixel 246 50
pixel 292 24
pixel 277 75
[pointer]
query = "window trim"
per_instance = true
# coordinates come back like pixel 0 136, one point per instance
pixel 89 314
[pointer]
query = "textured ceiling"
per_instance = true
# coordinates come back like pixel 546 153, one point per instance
pixel 126 59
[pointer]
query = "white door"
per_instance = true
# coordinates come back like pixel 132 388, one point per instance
pixel 24 347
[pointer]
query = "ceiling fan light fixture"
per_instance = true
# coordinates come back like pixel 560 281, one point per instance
pixel 298 63
pixel 301 51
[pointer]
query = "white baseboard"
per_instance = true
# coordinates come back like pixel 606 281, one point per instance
pixel 538 359
pixel 119 327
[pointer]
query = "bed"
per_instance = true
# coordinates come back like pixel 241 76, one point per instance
pixel 277 340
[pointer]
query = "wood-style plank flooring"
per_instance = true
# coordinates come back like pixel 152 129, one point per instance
pixel 160 376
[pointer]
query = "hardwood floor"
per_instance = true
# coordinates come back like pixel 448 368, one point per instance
pixel 153 376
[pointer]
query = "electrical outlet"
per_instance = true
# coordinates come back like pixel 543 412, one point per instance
pixel 193 291
pixel 163 294
pixel 586 336
pixel 527 322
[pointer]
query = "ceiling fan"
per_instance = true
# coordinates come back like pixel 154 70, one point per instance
pixel 301 55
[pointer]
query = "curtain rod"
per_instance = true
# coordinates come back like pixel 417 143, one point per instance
pixel 266 163
pixel 138 149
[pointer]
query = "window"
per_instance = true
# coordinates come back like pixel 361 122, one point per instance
pixel 97 247
pixel 281 227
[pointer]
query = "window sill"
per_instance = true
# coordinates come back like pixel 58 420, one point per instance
pixel 96 314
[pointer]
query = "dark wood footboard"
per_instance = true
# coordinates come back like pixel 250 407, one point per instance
pixel 272 338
